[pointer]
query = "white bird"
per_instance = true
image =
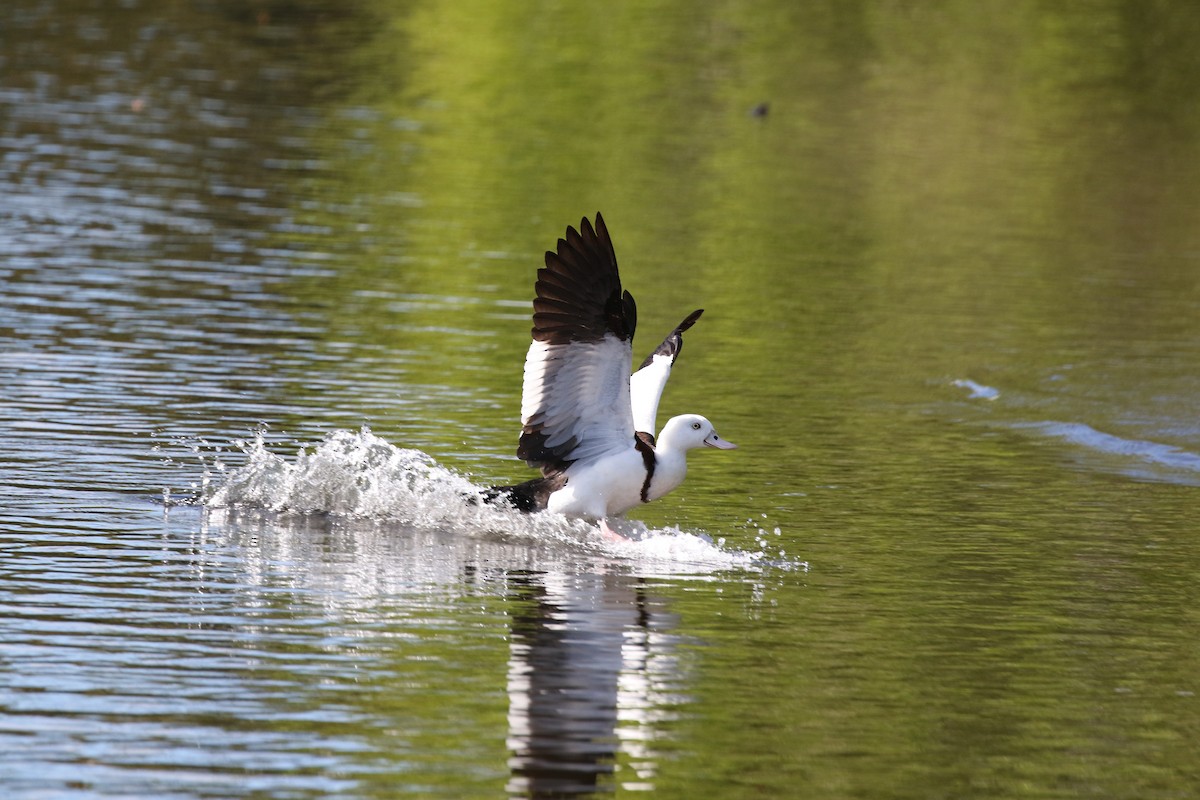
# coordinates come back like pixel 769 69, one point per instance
pixel 586 423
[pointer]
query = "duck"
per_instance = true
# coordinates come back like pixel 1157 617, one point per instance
pixel 587 423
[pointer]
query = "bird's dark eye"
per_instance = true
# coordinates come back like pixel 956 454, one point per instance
pixel 695 426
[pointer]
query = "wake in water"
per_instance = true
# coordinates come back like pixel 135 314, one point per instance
pixel 1154 460
pixel 1138 458
pixel 359 475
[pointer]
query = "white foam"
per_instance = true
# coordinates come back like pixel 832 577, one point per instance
pixel 356 474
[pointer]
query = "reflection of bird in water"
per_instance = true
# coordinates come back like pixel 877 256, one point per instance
pixel 589 670
pixel 586 423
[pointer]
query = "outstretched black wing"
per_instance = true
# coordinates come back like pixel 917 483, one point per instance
pixel 575 396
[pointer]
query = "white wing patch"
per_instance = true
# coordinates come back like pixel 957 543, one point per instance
pixel 580 391
pixel 646 388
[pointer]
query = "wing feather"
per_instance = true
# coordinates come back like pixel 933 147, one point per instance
pixel 575 401
pixel 647 384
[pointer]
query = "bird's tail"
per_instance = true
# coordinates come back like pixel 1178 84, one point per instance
pixel 529 496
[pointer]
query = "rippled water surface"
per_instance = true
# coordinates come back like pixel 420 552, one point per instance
pixel 264 300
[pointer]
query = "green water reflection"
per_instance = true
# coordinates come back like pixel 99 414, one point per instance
pixel 996 192
pixel 932 196
pixel 1005 193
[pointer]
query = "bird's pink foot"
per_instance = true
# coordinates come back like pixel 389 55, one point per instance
pixel 609 534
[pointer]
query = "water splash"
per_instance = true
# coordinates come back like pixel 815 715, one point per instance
pixel 348 474
pixel 356 474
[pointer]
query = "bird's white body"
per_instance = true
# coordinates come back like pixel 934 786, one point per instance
pixel 606 488
pixel 613 484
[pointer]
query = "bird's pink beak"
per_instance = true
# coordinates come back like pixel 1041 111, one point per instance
pixel 712 440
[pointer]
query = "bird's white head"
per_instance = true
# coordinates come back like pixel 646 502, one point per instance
pixel 691 430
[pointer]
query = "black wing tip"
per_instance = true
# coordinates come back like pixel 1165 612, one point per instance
pixel 601 228
pixel 672 346
pixel 587 232
pixel 585 228
pixel 689 321
pixel 578 293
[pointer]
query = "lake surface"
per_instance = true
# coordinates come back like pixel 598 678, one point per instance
pixel 265 275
